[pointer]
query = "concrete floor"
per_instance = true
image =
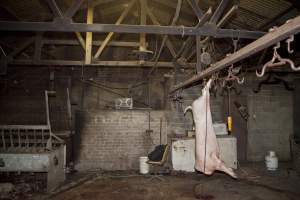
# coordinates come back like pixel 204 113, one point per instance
pixel 254 183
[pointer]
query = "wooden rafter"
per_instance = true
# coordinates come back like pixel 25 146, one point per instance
pixel 89 35
pixel 110 34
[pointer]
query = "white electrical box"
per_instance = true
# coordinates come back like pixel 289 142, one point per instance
pixel 124 103
pixel 183 152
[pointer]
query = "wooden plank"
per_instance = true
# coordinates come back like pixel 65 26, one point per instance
pixel 80 39
pixel 271 38
pixel 143 18
pixel 63 26
pixel 110 34
pixel 72 63
pixel 94 43
pixel 89 35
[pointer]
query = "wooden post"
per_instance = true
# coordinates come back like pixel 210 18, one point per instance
pixel 143 15
pixel 89 35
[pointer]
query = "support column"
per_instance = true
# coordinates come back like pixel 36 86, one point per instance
pixel 143 15
pixel 89 35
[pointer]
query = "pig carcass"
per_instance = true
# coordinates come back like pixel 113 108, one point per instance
pixel 207 151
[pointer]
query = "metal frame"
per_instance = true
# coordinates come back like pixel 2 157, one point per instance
pixel 290 28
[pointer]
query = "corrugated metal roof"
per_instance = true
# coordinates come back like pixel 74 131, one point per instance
pixel 251 15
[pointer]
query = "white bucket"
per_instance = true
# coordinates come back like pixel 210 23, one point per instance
pixel 271 161
pixel 144 166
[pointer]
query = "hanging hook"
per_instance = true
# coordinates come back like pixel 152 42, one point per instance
pixel 281 61
pixel 288 41
pixel 232 75
pixel 235 43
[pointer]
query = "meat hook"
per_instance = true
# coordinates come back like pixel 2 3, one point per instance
pixel 288 41
pixel 281 61
pixel 232 75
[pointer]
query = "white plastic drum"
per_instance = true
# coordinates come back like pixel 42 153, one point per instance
pixel 144 166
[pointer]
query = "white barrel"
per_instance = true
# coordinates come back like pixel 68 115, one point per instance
pixel 144 166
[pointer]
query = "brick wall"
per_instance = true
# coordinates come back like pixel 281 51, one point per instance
pixel 270 124
pixel 114 140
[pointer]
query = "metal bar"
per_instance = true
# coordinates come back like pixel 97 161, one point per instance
pixel 11 139
pixel 32 127
pixel 194 5
pixel 205 30
pixel 95 43
pixel 110 35
pixel 37 48
pixel 19 138
pixel 69 109
pixel 143 18
pixel 89 35
pixel 198 49
pixel 55 9
pixel 3 139
pixel 72 63
pixel 80 39
pixel 43 139
pixel 27 139
pixel 73 8
pixel 271 38
pixel 47 110
pixel 218 12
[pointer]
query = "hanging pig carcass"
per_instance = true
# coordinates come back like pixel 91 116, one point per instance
pixel 207 151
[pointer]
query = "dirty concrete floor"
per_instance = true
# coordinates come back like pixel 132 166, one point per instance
pixel 254 183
